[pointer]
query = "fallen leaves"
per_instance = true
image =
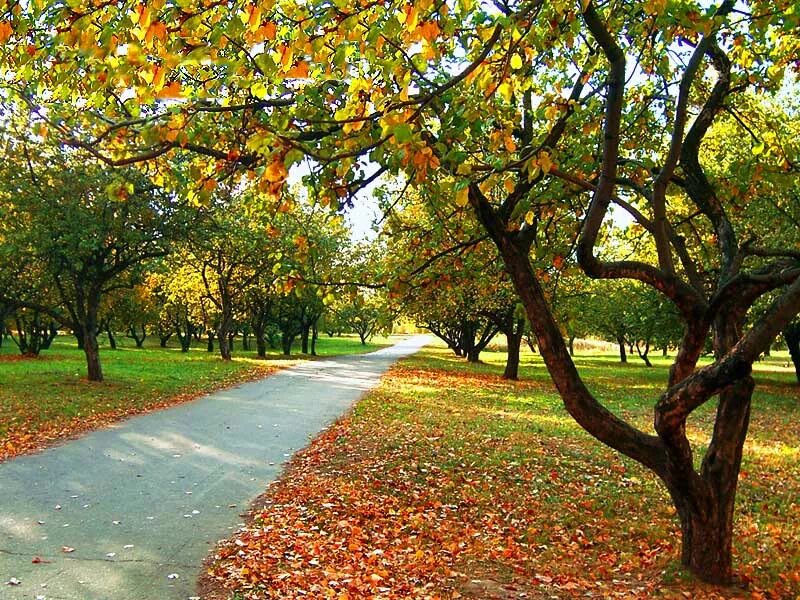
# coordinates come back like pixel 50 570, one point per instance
pixel 450 483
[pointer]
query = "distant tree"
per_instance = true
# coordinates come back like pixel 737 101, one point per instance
pixel 364 312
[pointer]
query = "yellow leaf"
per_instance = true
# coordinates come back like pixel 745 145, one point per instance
pixel 529 217
pixel 516 62
pixel 545 162
pixel 509 185
pixel 504 89
pixel 275 171
pixel 462 197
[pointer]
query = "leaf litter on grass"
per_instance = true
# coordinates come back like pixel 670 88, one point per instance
pixel 445 486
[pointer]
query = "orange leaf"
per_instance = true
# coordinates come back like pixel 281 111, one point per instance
pixel 172 90
pixel 5 31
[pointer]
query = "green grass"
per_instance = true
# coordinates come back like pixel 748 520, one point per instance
pixel 49 395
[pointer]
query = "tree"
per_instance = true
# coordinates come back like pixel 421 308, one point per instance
pixel 471 98
pixel 136 311
pixel 88 230
pixel 228 254
pixel 365 313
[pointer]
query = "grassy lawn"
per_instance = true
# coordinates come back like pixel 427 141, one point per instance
pixel 448 482
pixel 47 398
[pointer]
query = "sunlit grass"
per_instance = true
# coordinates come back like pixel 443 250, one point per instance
pixel 487 424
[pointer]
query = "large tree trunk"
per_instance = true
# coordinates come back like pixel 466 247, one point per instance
pixel 706 541
pixel 704 500
pixel 224 337
pixel 91 349
pixel 513 343
pixel 792 336
pixel 304 338
pixel 706 510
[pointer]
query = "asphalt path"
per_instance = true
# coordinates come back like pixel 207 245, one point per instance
pixel 130 512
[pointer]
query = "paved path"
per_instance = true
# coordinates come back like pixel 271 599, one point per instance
pixel 142 503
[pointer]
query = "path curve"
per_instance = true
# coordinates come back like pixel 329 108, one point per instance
pixel 142 503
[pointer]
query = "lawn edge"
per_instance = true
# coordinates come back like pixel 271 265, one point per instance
pixel 75 428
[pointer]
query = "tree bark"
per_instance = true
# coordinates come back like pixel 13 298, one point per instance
pixel 185 340
pixel 223 337
pixel 623 357
pixel 571 345
pixel 112 341
pixel 52 332
pixel 92 350
pixel 210 341
pixel 314 337
pixel 261 342
pixel 792 336
pixel 304 338
pixel 513 343
pixel 643 353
